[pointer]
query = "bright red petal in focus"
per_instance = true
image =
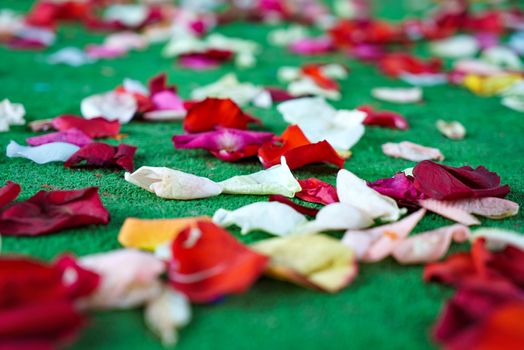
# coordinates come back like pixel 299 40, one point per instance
pixel 103 155
pixel 214 112
pixel 208 263
pixel 96 127
pixel 298 151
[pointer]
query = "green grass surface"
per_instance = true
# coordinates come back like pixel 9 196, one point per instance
pixel 388 306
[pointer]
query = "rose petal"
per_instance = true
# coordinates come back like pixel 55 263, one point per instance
pixel 11 114
pixel 209 263
pixel 110 106
pixel 173 184
pixel 103 155
pixel 317 191
pixel 429 246
pixel 459 46
pixel 386 119
pixel 73 136
pixel 299 208
pixel 336 216
pixel 377 243
pixel 498 239
pixel 52 211
pixel 166 313
pixel 275 180
pixel 50 152
pixel 397 95
pixel 354 191
pixel 9 193
pixel 452 130
pixel 129 278
pixel 271 217
pixel 315 261
pixel 399 187
pixel 148 234
pixel 411 151
pixel 95 127
pixel 228 87
pixel 450 211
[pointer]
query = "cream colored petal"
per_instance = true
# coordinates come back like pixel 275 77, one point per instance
pixel 314 261
pixel 397 95
pixel 458 46
pixel 429 246
pixel 306 86
pixel 228 87
pixel 11 114
pixel 411 151
pixel 110 105
pixel 275 180
pixel 452 130
pixel 167 313
pixel 497 239
pixel 272 217
pixel 173 184
pixel 354 191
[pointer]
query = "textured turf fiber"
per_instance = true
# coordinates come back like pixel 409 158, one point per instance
pixel 388 306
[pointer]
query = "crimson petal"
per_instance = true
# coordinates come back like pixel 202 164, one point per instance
pixel 96 127
pixel 387 119
pixel 104 155
pixel 317 191
pixel 9 193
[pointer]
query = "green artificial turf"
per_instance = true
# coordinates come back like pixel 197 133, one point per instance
pixel 388 305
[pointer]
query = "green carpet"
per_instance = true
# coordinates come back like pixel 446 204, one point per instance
pixel 388 306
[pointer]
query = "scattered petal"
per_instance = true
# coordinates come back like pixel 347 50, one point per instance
pixel 429 246
pixel 9 193
pixel 387 119
pixel 314 261
pixel 498 239
pixel 173 184
pixel 111 106
pixel 271 217
pixel 411 151
pixel 148 234
pixel 399 187
pixel 95 127
pixel 208 263
pixel 397 95
pixel 103 155
pixel 130 278
pixel 452 130
pixel 317 191
pixel 228 87
pixel 336 216
pixel 449 211
pixel 455 47
pixel 50 152
pixel 298 207
pixel 11 114
pixel 73 136
pixel 377 243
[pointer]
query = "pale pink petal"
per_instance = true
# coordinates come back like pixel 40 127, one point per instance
pixel 429 246
pixel 101 51
pixel 377 243
pixel 411 151
pixel 129 278
pixel 450 211
pixel 490 207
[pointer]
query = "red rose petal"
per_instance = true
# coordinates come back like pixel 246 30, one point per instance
pixel 103 155
pixel 396 64
pixel 9 193
pixel 443 182
pixel 317 191
pixel 208 263
pixel 214 112
pixel 96 127
pixel 50 211
pixel 314 71
pixel 298 151
pixel 387 119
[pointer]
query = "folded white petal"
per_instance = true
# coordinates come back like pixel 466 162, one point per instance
pixel 166 313
pixel 11 114
pixel 306 86
pixel 354 191
pixel 272 217
pixel 50 152
pixel 275 180
pixel 411 151
pixel 129 278
pixel 336 216
pixel 111 105
pixel 320 121
pixel 173 184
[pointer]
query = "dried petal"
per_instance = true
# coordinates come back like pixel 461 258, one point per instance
pixel 314 261
pixel 272 217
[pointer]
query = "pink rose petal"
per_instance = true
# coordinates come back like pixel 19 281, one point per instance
pixel 73 136
pixel 100 51
pixel 450 211
pixel 377 243
pixel 429 246
pixel 312 46
pixel 411 151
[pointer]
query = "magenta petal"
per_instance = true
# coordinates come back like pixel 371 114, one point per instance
pixel 73 136
pixel 198 62
pixel 222 139
pixel 167 100
pixel 399 187
pixel 100 51
pixel 312 46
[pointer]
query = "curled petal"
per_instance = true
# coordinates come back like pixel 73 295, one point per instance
pixel 379 242
pixel 209 263
pixel 314 261
pixel 149 234
pixel 9 193
pixel 272 217
pixel 336 216
pixel 173 184
pixel 103 155
pixel 317 191
pixel 429 246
